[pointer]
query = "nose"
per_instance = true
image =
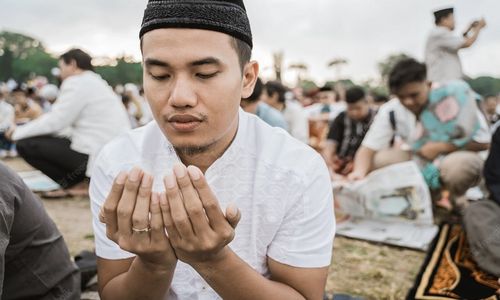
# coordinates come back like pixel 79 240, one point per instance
pixel 183 94
pixel 407 101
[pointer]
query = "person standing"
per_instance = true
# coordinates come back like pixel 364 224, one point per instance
pixel 441 50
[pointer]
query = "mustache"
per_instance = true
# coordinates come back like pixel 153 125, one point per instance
pixel 185 117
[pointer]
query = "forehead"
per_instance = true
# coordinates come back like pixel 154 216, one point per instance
pixel 184 45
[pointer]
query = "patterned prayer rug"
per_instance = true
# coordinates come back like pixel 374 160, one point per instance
pixel 449 272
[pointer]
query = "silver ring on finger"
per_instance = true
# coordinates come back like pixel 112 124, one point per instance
pixel 141 230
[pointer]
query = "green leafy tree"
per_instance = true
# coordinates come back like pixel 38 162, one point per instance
pixel 485 85
pixel 22 56
pixel 385 66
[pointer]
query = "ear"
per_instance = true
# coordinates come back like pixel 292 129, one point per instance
pixel 250 74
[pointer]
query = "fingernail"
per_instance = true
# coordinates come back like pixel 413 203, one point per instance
pixel 122 176
pixel 146 180
pixel 231 210
pixel 134 174
pixel 179 170
pixel 194 172
pixel 170 181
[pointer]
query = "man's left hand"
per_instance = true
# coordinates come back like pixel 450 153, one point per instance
pixel 198 229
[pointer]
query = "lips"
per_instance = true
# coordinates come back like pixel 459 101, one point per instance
pixel 184 123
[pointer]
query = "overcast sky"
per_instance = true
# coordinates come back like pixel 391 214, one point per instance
pixel 308 31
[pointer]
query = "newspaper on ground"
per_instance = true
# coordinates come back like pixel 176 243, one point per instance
pixel 38 182
pixel 391 205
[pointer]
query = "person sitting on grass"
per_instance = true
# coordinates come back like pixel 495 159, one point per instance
pixel 89 108
pixel 163 233
pixel 437 124
pixel 347 132
pixel 34 260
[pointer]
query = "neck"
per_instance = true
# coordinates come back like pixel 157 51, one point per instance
pixel 279 106
pixel 204 159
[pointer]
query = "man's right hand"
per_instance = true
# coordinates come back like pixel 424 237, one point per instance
pixel 126 213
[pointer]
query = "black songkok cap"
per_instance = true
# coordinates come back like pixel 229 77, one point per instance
pixel 438 14
pixel 226 16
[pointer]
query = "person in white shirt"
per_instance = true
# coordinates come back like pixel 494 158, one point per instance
pixel 441 50
pixel 164 234
pixel 88 106
pixel 328 105
pixel 274 94
pixel 7 116
pixel 394 132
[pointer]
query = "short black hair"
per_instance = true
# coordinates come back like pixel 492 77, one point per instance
pixel 243 51
pixel 82 59
pixel 257 91
pixel 406 71
pixel 354 94
pixel 273 87
pixel 19 88
pixel 380 98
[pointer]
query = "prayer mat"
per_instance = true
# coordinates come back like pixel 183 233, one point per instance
pixel 449 271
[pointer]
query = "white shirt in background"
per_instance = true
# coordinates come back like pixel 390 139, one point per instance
pixel 296 119
pixel 7 115
pixel 381 133
pixel 88 106
pixel 281 186
pixel 335 110
pixel 441 55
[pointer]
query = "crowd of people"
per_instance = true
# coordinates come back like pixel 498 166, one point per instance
pixel 191 112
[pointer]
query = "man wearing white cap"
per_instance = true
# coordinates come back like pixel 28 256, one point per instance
pixel 441 50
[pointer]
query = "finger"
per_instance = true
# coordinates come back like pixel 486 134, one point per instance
pixel 173 234
pixel 213 211
pixel 127 202
pixel 110 205
pixel 192 202
pixel 140 217
pixel 157 228
pixel 102 219
pixel 233 215
pixel 177 210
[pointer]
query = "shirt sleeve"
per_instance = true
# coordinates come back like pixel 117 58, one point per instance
pixel 380 134
pixel 100 185
pixel 450 42
pixel 64 111
pixel 305 238
pixel 336 131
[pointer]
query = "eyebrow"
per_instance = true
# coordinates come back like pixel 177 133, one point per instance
pixel 206 61
pixel 151 62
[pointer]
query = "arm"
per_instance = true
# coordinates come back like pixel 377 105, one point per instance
pixel 362 163
pixel 200 232
pixel 476 146
pixel 476 28
pixel 129 203
pixel 232 278
pixel 64 112
pixel 132 279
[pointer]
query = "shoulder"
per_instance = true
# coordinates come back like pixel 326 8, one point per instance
pixel 278 151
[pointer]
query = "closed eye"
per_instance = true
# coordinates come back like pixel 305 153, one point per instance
pixel 206 76
pixel 160 77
